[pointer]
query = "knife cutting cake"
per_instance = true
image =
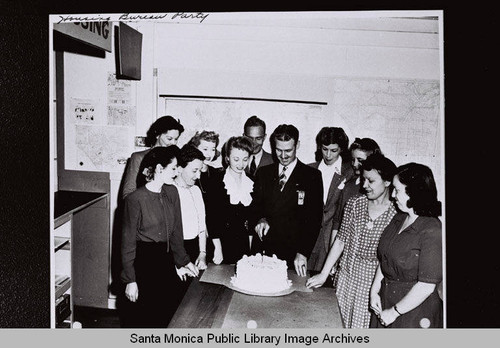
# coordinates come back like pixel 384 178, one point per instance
pixel 261 274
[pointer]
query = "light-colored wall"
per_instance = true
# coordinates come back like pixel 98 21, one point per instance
pixel 286 58
pixel 246 56
pixel 309 60
pixel 279 56
pixel 261 56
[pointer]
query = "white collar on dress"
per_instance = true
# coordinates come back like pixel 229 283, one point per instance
pixel 336 167
pixel 238 193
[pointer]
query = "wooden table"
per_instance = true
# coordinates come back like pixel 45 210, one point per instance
pixel 207 305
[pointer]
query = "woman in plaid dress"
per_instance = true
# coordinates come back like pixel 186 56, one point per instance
pixel 365 218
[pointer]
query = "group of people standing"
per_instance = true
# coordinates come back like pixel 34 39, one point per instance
pixel 351 214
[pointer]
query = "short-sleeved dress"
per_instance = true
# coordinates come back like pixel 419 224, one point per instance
pixel 359 262
pixel 413 255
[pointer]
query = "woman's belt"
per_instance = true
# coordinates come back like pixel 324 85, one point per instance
pixel 393 281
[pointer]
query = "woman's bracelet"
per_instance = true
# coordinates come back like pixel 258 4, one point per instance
pixel 203 251
pixel 396 309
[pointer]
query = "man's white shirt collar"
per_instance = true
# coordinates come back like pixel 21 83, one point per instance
pixel 289 168
pixel 258 157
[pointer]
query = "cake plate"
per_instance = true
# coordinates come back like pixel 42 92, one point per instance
pixel 221 274
pixel 270 294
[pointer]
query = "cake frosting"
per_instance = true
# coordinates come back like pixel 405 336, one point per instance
pixel 261 274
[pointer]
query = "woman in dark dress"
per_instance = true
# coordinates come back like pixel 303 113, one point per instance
pixel 165 131
pixel 207 142
pixel 404 293
pixel 230 207
pixel 152 243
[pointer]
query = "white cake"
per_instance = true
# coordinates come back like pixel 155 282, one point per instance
pixel 261 274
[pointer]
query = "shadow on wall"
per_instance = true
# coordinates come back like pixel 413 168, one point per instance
pixel 116 287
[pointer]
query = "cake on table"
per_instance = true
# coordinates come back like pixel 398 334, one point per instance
pixel 261 274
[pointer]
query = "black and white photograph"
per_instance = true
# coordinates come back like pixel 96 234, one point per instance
pixel 279 149
pixel 257 177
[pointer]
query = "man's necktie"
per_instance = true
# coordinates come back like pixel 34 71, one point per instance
pixel 252 166
pixel 282 179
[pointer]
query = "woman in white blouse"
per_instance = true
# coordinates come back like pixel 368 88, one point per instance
pixel 231 204
pixel 192 206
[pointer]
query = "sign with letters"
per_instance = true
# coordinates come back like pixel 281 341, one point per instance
pixel 97 34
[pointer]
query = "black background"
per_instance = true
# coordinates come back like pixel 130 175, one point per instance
pixel 472 180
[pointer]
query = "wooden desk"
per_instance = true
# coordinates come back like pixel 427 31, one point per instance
pixel 207 305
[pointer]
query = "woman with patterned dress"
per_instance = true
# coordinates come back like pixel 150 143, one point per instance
pixel 365 218
pixel 405 290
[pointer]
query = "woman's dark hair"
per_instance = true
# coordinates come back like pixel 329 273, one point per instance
pixel 207 136
pixel 188 154
pixel 241 143
pixel 157 155
pixel 420 188
pixel 160 126
pixel 384 166
pixel 367 145
pixel 328 136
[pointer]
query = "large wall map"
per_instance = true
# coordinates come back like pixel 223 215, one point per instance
pixel 403 116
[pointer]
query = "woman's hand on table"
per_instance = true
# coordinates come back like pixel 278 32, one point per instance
pixel 218 256
pixel 201 261
pixel 132 292
pixel 317 280
pixel 193 270
pixel 188 270
pixel 300 264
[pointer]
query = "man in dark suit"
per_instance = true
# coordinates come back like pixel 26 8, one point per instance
pixel 255 130
pixel 287 203
pixel 332 160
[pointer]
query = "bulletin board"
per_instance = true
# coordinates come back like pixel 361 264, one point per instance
pixel 99 132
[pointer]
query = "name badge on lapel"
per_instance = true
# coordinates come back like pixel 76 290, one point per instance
pixel 301 195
